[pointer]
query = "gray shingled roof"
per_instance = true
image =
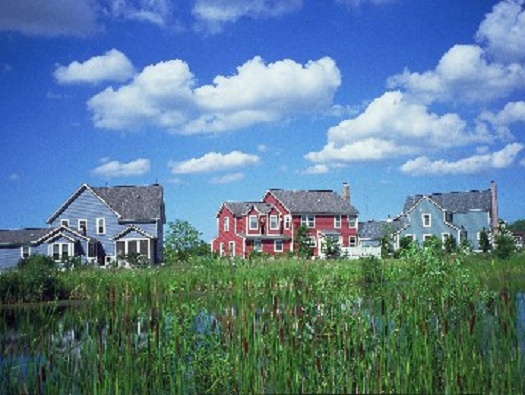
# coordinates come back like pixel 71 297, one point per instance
pixel 241 208
pixel 376 229
pixel 134 202
pixel 456 202
pixel 18 237
pixel 314 202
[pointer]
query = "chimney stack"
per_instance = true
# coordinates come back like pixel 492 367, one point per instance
pixel 494 207
pixel 346 192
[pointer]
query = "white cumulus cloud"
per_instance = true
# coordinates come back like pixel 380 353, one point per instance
pixel 463 74
pixel 503 31
pixel 112 66
pixel 471 165
pixel 117 169
pixel 212 15
pixel 164 95
pixel 214 161
pixel 392 126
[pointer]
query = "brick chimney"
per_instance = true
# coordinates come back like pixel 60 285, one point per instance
pixel 346 192
pixel 494 207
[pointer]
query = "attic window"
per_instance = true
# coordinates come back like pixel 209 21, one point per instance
pixel 427 220
pixel 64 222
pixel 101 226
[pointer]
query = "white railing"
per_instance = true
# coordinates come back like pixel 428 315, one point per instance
pixel 360 252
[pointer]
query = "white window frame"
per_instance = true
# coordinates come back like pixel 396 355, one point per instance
pixel 352 222
pixel 427 236
pixel 98 222
pixel 135 240
pixel 79 222
pixel 287 221
pixel 352 243
pixel 274 222
pixel 231 248
pixel 281 243
pixel 308 220
pixel 221 249
pixel 23 254
pixel 64 222
pixel 411 236
pixel 337 222
pixel 423 217
pixel 444 237
pixel 70 252
pixel 226 224
pixel 257 245
pixel 253 219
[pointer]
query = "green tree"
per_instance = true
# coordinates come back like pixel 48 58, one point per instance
pixel 484 241
pixel 450 245
pixel 387 239
pixel 183 241
pixel 517 225
pixel 331 248
pixel 304 243
pixel 504 241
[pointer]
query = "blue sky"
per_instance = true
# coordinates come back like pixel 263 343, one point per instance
pixel 222 100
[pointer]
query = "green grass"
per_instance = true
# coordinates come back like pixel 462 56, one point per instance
pixel 425 324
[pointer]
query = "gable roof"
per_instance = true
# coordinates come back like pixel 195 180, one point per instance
pixel 19 237
pixel 238 209
pixel 129 203
pixel 455 202
pixel 313 202
pixel 376 229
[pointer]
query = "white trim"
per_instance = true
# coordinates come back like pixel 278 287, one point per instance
pixel 259 248
pixel 103 226
pixel 250 222
pixel 350 243
pixel 276 218
pixel 22 252
pixel 51 251
pixel 287 221
pixel 231 248
pixel 337 221
pixel 423 215
pixel 275 245
pixel 139 240
pixel 78 224
pixel 226 224
pixel 64 222
pixel 444 236
pixel 352 222
pixel 221 249
pixel 306 220
pixel 427 236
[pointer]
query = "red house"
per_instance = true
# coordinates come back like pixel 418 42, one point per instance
pixel 270 226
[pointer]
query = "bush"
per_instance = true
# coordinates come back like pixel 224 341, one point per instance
pixel 35 280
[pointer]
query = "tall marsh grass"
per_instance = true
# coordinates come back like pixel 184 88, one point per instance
pixel 283 326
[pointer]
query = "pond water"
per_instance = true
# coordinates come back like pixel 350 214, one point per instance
pixel 42 344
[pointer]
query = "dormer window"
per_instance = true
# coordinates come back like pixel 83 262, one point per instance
pixel 274 222
pixel 226 224
pixel 253 224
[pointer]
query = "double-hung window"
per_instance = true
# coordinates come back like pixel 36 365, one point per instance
pixel 287 221
pixel 101 226
pixel 278 245
pixel 352 222
pixel 427 220
pixel 274 222
pixel 308 220
pixel 253 225
pixel 25 252
pixel 352 241
pixel 82 226
pixel 226 224
pixel 337 221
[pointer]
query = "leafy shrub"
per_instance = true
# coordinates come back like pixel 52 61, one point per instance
pixel 36 279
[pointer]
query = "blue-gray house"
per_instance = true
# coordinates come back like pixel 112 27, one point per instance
pixel 97 224
pixel 460 214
